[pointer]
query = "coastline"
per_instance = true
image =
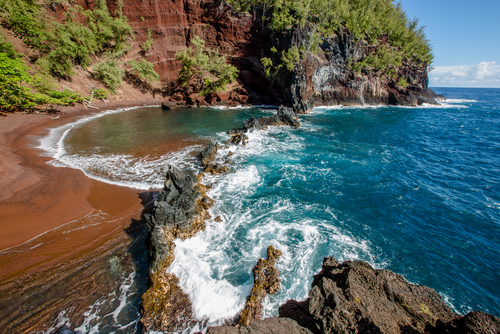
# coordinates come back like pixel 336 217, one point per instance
pixel 26 178
pixel 55 222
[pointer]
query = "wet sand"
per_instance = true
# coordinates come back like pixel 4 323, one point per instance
pixel 54 222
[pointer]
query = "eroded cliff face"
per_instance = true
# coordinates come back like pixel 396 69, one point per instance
pixel 324 77
pixel 320 78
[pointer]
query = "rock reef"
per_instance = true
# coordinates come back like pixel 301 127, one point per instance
pixel 180 212
pixel 284 116
pixel 266 281
pixel 353 297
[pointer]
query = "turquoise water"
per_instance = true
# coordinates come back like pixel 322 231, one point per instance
pixel 413 190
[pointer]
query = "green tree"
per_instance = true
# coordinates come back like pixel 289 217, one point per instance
pixel 144 70
pixel 110 73
pixel 210 68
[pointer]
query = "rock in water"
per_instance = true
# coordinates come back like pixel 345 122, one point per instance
pixel 168 105
pixel 265 281
pixel 180 212
pixel 352 297
pixel 284 116
pixel 209 153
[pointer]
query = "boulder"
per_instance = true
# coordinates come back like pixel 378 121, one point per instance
pixel 168 105
pixel 209 153
pixel 352 297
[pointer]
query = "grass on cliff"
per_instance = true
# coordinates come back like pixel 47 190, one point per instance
pixel 367 20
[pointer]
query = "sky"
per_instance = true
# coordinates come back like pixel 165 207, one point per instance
pixel 465 38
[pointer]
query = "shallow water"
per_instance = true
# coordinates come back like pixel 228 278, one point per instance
pixel 413 190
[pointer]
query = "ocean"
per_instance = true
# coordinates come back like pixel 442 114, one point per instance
pixel 415 190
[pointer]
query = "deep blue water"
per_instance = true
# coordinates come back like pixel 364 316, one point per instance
pixel 412 190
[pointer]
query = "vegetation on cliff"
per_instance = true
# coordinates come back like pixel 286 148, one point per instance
pixel 208 68
pixel 377 22
pixel 58 46
pixel 22 90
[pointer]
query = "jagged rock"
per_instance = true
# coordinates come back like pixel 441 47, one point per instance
pixel 216 169
pixel 209 153
pixel 284 116
pixel 218 219
pixel 352 297
pixel 266 326
pixel 266 281
pixel 237 139
pixel 168 105
pixel 180 212
pixel 173 215
pixel 168 306
pixel 471 323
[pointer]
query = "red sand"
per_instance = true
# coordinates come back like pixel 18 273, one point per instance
pixel 36 198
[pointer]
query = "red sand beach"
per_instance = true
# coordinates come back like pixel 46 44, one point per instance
pixel 45 214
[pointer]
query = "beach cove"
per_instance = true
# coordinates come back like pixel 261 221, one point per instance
pixel 344 208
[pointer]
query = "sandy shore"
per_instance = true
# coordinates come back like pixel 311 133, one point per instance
pixel 36 197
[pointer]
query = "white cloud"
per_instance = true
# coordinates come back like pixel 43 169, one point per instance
pixel 485 74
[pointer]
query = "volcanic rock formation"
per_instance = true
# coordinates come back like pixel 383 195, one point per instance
pixel 353 297
pixel 180 212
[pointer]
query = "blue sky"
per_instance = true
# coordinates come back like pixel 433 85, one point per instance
pixel 465 37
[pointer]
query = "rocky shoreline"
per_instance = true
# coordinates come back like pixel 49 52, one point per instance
pixel 181 212
pixel 351 297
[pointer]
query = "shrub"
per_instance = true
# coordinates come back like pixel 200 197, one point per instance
pixel 144 70
pixel 290 58
pixel 209 67
pixel 15 93
pixel 148 44
pixel 100 94
pixel 402 82
pixel 7 48
pixel 110 73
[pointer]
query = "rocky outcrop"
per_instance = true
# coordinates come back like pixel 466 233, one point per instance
pixel 471 323
pixel 353 297
pixel 208 156
pixel 266 326
pixel 325 77
pixel 180 212
pixel 238 139
pixel 266 281
pixel 284 116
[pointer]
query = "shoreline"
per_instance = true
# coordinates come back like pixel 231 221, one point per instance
pixel 59 227
pixel 27 179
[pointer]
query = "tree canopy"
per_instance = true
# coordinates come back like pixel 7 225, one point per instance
pixel 366 20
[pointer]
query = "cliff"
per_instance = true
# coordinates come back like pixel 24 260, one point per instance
pixel 318 78
pixel 319 71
